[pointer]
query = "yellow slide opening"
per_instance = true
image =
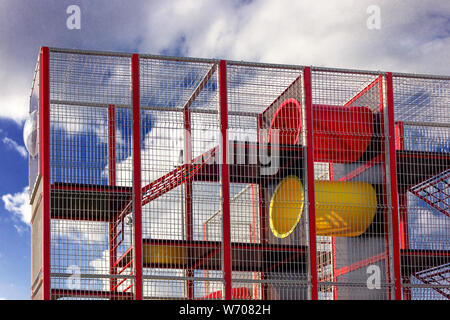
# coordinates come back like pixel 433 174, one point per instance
pixel 344 209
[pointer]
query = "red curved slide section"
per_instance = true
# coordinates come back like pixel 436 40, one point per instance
pixel 340 134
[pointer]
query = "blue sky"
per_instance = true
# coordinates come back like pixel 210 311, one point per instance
pixel 413 36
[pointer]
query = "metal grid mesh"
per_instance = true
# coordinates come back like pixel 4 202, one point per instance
pixel 351 205
pixel 179 127
pixel 257 164
pixel 91 176
pixel 88 232
pixel 33 138
pixel 423 133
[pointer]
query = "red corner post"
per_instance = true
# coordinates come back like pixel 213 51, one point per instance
pixel 310 182
pixel 112 182
pixel 137 197
pixel 44 165
pixel 402 197
pixel 226 225
pixel 393 186
pixel 188 200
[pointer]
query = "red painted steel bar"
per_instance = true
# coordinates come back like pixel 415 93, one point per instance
pixel 403 198
pixel 262 210
pixel 310 181
pixel 137 176
pixel 226 221
pixel 112 182
pixel 188 193
pixel 112 145
pixel 333 243
pixel 384 160
pixel 393 184
pixel 44 165
pixel 58 293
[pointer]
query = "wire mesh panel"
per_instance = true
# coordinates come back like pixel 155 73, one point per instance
pixel 273 257
pixel 351 203
pixel 31 130
pixel 88 230
pixel 422 118
pixel 180 133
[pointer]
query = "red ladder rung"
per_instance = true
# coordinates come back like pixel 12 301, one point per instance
pixel 128 288
pixel 118 285
pixel 126 266
pixel 122 257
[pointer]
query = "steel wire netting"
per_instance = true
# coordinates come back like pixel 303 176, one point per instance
pixel 179 127
pixel 423 135
pixel 350 171
pixel 88 232
pixel 180 178
pixel 272 268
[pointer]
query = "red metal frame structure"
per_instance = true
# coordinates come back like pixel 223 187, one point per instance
pixel 44 166
pixel 225 179
pixel 393 188
pixel 310 183
pixel 137 200
pixel 385 159
pixel 103 159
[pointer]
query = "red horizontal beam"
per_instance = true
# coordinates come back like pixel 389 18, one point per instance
pixel 425 253
pixel 60 293
pixel 90 188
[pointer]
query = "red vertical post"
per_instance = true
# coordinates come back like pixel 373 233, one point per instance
pixel 402 197
pixel 112 145
pixel 44 165
pixel 310 181
pixel 253 237
pixel 333 242
pixel 112 182
pixel 262 207
pixel 403 204
pixel 137 197
pixel 226 220
pixel 384 161
pixel 393 187
pixel 188 193
pixel 404 235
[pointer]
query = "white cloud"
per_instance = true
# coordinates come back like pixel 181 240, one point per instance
pixel 80 231
pixel 15 94
pixel 413 37
pixel 18 204
pixel 10 143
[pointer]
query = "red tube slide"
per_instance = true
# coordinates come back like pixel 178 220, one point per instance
pixel 340 134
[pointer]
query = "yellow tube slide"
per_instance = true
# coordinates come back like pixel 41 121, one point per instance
pixel 344 209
